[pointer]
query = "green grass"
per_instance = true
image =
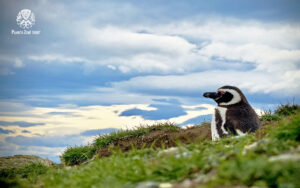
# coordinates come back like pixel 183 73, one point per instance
pixel 225 157
pixel 254 169
pixel 218 163
pixel 78 154
pixel 258 172
pixel 105 140
pixel 29 173
pixel 288 131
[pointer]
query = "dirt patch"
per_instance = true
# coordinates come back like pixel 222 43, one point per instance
pixel 159 139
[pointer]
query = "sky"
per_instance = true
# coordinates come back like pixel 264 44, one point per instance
pixel 101 66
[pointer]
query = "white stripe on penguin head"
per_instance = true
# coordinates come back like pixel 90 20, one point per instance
pixel 235 99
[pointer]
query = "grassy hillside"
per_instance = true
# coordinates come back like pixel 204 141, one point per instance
pixel 18 161
pixel 163 135
pixel 268 158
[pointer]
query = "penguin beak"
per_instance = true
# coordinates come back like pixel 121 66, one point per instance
pixel 212 95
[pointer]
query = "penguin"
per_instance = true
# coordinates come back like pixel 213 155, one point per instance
pixel 233 114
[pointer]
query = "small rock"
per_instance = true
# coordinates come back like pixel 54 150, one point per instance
pixel 253 146
pixel 184 154
pixel 165 185
pixel 201 179
pixel 187 183
pixel 172 151
pixel 148 184
pixel 285 157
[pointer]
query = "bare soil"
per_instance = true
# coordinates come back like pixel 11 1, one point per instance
pixel 159 139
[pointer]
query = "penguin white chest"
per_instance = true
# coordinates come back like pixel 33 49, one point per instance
pixel 214 127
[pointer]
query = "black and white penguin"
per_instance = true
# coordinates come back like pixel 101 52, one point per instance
pixel 233 115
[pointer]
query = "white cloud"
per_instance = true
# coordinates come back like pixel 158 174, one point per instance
pixel 142 52
pixel 56 58
pixel 251 81
pixel 264 57
pixel 188 46
pixel 251 54
pixel 271 49
pixel 158 63
pixel 69 121
pixel 124 39
pixel 233 31
pixel 192 113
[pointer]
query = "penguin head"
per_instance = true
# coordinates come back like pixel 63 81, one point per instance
pixel 227 95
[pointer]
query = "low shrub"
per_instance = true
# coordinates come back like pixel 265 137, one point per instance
pixel 287 109
pixel 281 111
pixel 268 116
pixel 77 155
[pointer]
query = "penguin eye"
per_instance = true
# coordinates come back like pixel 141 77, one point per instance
pixel 220 92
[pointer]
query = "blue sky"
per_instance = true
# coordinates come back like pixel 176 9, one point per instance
pixel 100 66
